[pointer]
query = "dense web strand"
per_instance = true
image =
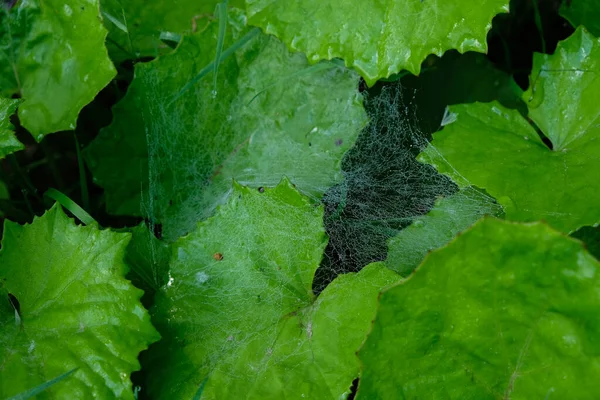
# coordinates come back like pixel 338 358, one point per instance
pixel 385 187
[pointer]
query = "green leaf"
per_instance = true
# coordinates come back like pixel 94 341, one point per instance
pixel 53 56
pixel 174 152
pixel 239 308
pixel 377 38
pixel 505 311
pixel 148 258
pixel 64 304
pixel 582 12
pixel 450 216
pixel 498 150
pixel 8 142
pixel 135 26
pixel 44 386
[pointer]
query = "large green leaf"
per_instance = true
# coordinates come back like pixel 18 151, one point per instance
pixel 582 12
pixel 238 312
pixel 499 150
pixel 8 141
pixel 135 26
pixel 64 304
pixel 52 54
pixel 148 258
pixel 506 311
pixel 271 115
pixel 377 38
pixel 450 216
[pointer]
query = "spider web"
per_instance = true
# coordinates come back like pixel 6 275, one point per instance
pixel 385 187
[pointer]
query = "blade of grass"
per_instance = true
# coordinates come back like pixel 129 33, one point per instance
pixel 313 68
pixel 538 23
pixel 200 389
pixel 115 21
pixel 39 389
pixel 222 12
pixel 27 203
pixel 85 196
pixel 70 205
pixel 210 67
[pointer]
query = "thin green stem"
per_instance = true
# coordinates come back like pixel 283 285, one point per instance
pixel 85 195
pixel 70 205
pixel 222 11
pixel 210 67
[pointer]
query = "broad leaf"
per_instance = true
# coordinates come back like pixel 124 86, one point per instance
pixel 582 12
pixel 238 312
pixel 500 151
pixel 450 216
pixel 8 141
pixel 52 54
pixel 271 115
pixel 377 38
pixel 135 26
pixel 148 258
pixel 505 311
pixel 64 304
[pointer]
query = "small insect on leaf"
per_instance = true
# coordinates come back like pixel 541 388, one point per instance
pixel 218 256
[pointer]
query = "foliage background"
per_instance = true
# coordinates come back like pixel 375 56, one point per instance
pixel 411 103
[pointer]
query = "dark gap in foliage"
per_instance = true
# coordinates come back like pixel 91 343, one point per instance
pixel 541 134
pixel 353 389
pixel 53 163
pixel 14 302
pixel 590 236
pixel 138 381
pixel 8 4
pixel 383 184
pixel 530 26
pixel 155 228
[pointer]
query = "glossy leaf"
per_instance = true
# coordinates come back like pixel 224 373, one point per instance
pixel 450 216
pixel 505 311
pixel 148 258
pixel 135 26
pixel 64 304
pixel 377 38
pixel 582 12
pixel 8 141
pixel 176 152
pixel 500 151
pixel 53 56
pixel 238 313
